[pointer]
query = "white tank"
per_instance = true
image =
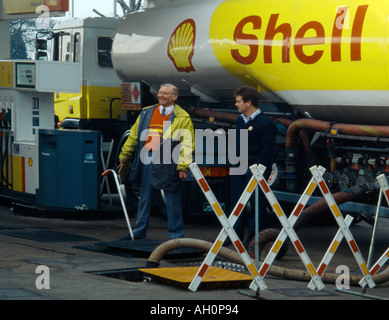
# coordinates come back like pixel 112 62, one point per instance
pixel 328 59
pixel 171 44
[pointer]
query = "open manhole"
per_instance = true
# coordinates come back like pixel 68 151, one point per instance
pixel 130 274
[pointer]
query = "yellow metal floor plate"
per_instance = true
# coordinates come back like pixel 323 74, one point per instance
pixel 183 276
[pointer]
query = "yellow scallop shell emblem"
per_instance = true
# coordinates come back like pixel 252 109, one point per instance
pixel 181 46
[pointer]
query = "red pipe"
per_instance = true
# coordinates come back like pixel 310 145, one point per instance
pixel 217 115
pixel 351 129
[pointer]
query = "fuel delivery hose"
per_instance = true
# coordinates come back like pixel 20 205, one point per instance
pixel 320 207
pixel 291 274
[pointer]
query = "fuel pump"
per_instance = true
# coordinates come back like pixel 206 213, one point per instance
pixel 26 106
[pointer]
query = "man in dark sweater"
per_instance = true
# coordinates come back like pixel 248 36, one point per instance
pixel 262 149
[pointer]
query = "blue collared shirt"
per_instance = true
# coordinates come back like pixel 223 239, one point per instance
pixel 245 119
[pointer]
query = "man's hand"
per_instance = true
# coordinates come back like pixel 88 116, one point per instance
pixel 121 164
pixel 182 174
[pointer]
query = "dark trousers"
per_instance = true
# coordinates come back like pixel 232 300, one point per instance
pixel 173 206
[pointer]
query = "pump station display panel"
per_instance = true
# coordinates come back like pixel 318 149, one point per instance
pixel 25 75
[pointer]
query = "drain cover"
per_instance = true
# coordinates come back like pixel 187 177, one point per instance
pixel 183 276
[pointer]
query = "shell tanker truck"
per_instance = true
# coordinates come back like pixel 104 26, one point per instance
pixel 321 68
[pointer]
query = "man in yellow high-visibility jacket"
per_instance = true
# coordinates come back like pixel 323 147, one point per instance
pixel 160 146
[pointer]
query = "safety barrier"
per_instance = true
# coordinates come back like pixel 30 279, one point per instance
pixel 381 261
pixel 332 249
pixel 383 182
pixel 287 228
pixel 287 231
pixel 226 231
pixel 367 279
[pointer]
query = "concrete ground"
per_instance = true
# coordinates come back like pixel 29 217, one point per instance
pixel 73 263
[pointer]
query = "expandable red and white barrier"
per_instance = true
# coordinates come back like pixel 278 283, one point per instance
pixel 287 228
pixel 367 278
pixel 383 182
pixel 381 261
pixel 331 250
pixel 287 231
pixel 227 230
pixel 282 236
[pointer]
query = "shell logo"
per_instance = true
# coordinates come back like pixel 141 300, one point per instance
pixel 181 46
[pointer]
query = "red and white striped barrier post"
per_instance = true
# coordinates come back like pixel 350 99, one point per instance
pixel 367 278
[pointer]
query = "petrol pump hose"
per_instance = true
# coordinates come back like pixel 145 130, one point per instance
pixel 291 274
